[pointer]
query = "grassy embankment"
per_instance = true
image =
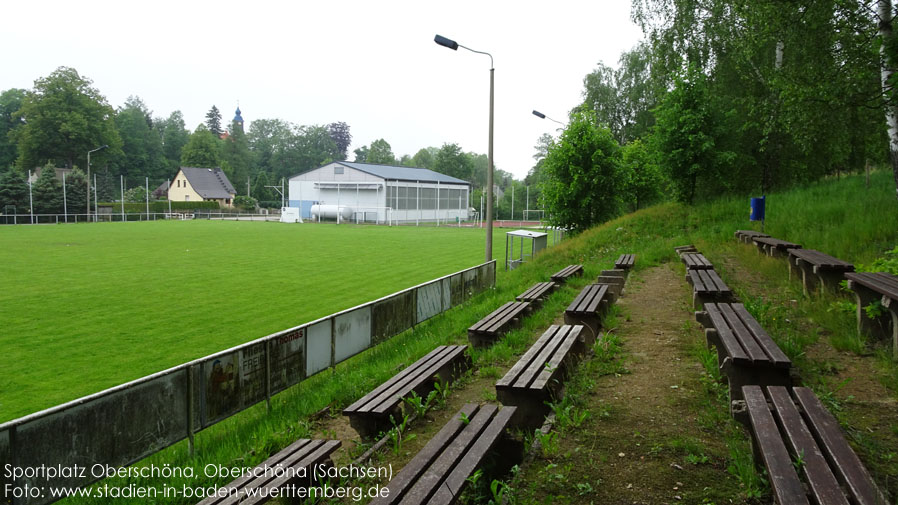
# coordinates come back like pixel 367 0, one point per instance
pixel 838 217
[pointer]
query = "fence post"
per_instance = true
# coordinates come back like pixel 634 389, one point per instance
pixel 333 345
pixel 268 374
pixel 190 412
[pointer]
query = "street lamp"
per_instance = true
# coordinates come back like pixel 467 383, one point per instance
pixel 88 177
pixel 451 44
pixel 543 116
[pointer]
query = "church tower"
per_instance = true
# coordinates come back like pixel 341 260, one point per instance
pixel 238 119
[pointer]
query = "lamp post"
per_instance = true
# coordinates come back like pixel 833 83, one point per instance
pixel 451 44
pixel 87 208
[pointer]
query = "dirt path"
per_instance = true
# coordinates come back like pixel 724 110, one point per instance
pixel 647 438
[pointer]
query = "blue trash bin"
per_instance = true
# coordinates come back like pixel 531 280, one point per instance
pixel 757 209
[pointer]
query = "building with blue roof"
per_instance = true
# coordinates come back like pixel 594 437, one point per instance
pixel 366 192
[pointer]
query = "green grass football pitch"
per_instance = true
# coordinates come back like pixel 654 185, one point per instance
pixel 87 307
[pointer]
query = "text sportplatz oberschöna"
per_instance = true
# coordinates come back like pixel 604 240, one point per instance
pixel 329 481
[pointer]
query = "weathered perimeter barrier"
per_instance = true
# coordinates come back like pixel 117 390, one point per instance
pixel 121 425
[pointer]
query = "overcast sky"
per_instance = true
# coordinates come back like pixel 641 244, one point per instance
pixel 372 64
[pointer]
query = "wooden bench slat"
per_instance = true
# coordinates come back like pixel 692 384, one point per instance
pixel 748 341
pixel 696 261
pixel 726 336
pixel 512 375
pixel 536 292
pixel 276 459
pixel 821 260
pixel 849 469
pixel 383 402
pixel 560 353
pixel 427 483
pixel 395 384
pixel 454 483
pixel 302 453
pixel 566 272
pixel 784 479
pixel 419 464
pixel 276 483
pixel 880 282
pixel 774 353
pixel 512 310
pixel 589 299
pixel 538 364
pixel 814 466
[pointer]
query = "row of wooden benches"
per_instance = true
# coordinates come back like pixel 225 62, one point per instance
pixel 820 272
pixel 440 470
pixel 787 424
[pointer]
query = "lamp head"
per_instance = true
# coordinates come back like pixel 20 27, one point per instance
pixel 443 41
pixel 539 114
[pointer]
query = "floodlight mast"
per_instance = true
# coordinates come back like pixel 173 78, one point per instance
pixel 87 208
pixel 451 44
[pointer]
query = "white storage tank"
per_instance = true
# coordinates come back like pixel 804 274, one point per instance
pixel 331 211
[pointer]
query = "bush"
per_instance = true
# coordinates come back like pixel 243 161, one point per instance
pixel 245 202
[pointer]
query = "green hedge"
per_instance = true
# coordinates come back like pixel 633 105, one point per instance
pixel 161 206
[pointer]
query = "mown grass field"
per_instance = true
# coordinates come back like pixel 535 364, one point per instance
pixel 87 307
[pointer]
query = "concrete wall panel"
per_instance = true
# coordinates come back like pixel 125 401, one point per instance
pixel 116 430
pixel 353 333
pixel 392 316
pixel 220 389
pixel 319 347
pixel 429 300
pixel 252 374
pixel 457 290
pixel 288 360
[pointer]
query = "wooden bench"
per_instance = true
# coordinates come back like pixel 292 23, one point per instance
pixel 747 235
pixel 818 270
pixel 869 287
pixel 799 442
pixel 537 293
pixel 370 415
pixel 707 287
pixel 774 247
pixel 293 466
pixel 588 308
pixel 569 271
pixel 439 472
pixel 537 377
pixel 685 249
pixel 695 261
pixel 493 326
pixel 745 352
pixel 625 262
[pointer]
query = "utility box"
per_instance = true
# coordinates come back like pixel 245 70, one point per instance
pixel 290 215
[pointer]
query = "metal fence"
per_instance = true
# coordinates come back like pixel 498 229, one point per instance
pixel 124 424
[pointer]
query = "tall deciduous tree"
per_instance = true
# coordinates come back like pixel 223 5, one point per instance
pixel 174 135
pixel 685 135
pixel 141 145
pixel 201 149
pixel 339 131
pixel 425 157
pixel 213 121
pixel 65 117
pixel 10 103
pixel 450 160
pixel 381 152
pixel 582 174
pixel 886 16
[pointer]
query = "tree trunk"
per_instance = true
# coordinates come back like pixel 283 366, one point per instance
pixel 884 10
